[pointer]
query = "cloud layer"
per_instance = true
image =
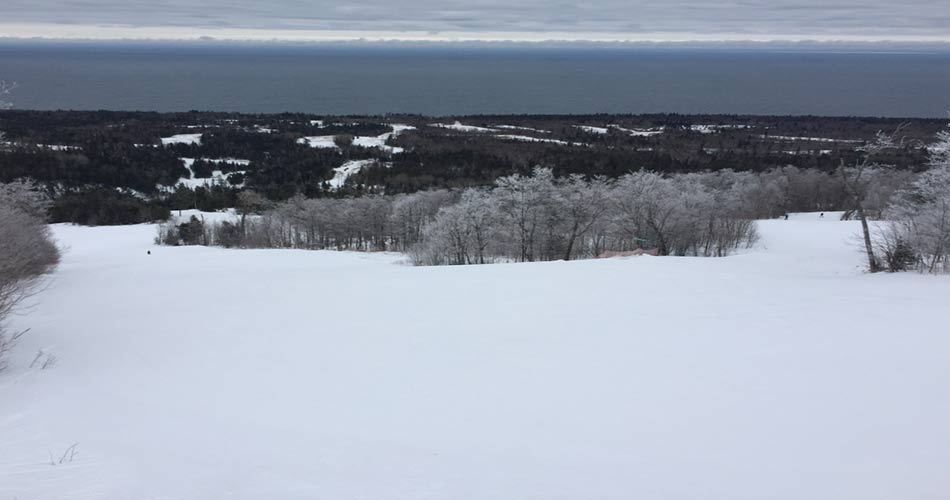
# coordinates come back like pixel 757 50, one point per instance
pixel 605 19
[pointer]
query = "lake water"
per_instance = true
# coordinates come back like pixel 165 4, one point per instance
pixel 443 81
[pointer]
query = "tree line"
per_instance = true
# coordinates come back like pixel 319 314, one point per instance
pixel 540 216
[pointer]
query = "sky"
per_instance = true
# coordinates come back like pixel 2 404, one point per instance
pixel 490 20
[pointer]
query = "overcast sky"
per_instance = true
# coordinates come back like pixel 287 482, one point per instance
pixel 481 19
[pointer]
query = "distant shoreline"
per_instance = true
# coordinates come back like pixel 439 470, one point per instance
pixel 804 46
pixel 687 118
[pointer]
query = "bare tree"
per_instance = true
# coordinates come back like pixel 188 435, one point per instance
pixel 250 202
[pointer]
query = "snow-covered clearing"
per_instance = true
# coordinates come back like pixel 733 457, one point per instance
pixel 319 141
pixel 462 128
pixel 510 137
pixel 526 129
pixel 525 138
pixel 218 177
pixel 593 130
pixel 640 132
pixel 712 129
pixel 51 147
pixel 379 141
pixel 343 172
pixel 399 128
pixel 810 139
pixel 182 139
pixel 808 152
pixel 195 373
pixel 704 129
pixel 59 147
pixel 228 161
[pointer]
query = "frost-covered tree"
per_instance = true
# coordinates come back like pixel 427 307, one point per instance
pixel 697 214
pixel 448 239
pixel 460 233
pixel 649 210
pixel 26 196
pixel 480 216
pixel 920 216
pixel 523 204
pixel 582 205
pixel 27 251
pixel 411 212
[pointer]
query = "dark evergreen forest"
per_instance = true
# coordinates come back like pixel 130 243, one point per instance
pixel 104 167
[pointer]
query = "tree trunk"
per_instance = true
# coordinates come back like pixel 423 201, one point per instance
pixel 570 242
pixel 873 265
pixel 852 188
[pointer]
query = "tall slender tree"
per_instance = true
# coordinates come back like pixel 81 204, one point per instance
pixel 857 178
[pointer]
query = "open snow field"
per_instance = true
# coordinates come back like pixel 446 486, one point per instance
pixel 199 373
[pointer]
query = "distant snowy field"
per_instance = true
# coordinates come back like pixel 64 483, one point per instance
pixel 199 373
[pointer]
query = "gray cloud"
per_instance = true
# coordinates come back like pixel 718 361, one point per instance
pixel 869 18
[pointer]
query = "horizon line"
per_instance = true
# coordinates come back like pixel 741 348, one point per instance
pixel 114 33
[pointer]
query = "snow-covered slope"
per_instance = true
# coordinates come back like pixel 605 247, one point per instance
pixel 197 373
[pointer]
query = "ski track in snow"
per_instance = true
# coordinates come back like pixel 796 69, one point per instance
pixel 192 373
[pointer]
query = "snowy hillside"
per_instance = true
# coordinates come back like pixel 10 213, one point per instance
pixel 202 373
